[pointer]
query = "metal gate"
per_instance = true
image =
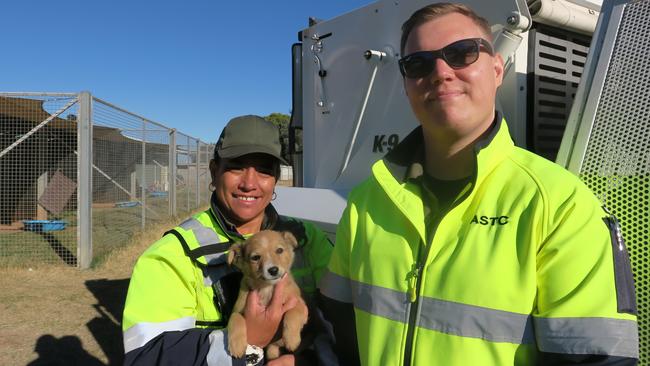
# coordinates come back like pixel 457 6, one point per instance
pixel 78 176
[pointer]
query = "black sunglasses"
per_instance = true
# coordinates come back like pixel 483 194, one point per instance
pixel 457 55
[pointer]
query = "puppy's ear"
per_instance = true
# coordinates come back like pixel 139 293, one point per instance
pixel 234 253
pixel 290 239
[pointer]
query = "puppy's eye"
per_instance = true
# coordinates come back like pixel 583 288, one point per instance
pixel 255 257
pixel 279 250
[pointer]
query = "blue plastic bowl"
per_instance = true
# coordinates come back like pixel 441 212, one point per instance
pixel 127 204
pixel 43 225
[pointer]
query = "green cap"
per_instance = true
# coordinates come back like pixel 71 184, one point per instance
pixel 247 135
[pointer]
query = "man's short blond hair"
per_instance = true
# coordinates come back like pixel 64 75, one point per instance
pixel 437 10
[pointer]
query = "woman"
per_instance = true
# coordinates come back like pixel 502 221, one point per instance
pixel 182 290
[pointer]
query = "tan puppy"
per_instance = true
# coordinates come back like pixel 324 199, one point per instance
pixel 263 259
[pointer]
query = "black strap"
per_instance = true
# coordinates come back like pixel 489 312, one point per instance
pixel 225 288
pixel 209 249
pixel 194 254
pixel 217 324
pixel 181 239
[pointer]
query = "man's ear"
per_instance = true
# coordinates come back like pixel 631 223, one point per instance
pixel 234 253
pixel 290 239
pixel 498 69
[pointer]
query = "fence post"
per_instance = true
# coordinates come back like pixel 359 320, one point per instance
pixel 187 171
pixel 172 172
pixel 143 179
pixel 84 181
pixel 198 185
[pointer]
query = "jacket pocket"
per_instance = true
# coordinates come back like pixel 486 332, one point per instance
pixel 624 281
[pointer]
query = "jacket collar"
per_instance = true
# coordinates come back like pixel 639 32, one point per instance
pixel 395 173
pixel 229 229
pixel 406 161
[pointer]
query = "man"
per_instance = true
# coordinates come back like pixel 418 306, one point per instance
pixel 462 249
pixel 182 291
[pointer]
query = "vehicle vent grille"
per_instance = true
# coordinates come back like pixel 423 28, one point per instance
pixel 616 164
pixel 558 60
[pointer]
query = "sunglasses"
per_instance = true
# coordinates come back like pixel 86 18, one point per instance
pixel 457 55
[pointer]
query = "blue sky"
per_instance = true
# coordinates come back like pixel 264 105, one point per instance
pixel 191 65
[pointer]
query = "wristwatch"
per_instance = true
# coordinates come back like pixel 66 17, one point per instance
pixel 254 355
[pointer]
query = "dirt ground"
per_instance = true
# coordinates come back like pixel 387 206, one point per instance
pixel 57 315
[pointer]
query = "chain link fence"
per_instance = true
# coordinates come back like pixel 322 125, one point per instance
pixel 78 176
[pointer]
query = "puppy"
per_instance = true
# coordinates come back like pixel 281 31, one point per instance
pixel 263 259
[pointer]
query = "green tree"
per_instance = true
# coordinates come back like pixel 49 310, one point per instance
pixel 282 122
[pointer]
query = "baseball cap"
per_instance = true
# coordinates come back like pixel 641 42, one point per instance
pixel 247 135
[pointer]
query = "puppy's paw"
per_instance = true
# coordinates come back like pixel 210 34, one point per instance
pixel 236 345
pixel 272 351
pixel 291 340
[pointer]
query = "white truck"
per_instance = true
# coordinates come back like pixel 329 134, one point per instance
pixel 576 90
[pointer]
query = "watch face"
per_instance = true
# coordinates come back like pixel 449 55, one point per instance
pixel 254 355
pixel 252 359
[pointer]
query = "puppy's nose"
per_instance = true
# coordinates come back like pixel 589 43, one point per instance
pixel 273 271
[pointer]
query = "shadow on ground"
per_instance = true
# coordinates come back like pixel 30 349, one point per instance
pixel 64 253
pixel 107 326
pixel 63 351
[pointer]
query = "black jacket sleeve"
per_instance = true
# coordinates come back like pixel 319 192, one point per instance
pixel 558 359
pixel 340 316
pixel 189 347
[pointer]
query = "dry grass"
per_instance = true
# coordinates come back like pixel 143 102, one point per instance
pixel 56 315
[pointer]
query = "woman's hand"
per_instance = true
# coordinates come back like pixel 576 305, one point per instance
pixel 262 322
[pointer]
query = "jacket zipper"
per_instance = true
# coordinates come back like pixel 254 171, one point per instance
pixel 414 280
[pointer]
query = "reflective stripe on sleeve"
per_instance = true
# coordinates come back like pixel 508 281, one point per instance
pixel 595 336
pixel 141 333
pixel 336 287
pixel 476 322
pixel 218 355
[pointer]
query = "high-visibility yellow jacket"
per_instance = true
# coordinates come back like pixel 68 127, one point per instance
pixel 522 268
pixel 170 312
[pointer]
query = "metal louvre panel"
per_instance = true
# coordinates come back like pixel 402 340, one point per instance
pixel 616 163
pixel 558 60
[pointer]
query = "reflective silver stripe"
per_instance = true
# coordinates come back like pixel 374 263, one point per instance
pixel 336 287
pixel 476 322
pixel 439 315
pixel 215 273
pixel 217 258
pixel 387 303
pixel 204 236
pixel 218 355
pixel 376 300
pixel 594 336
pixel 141 333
